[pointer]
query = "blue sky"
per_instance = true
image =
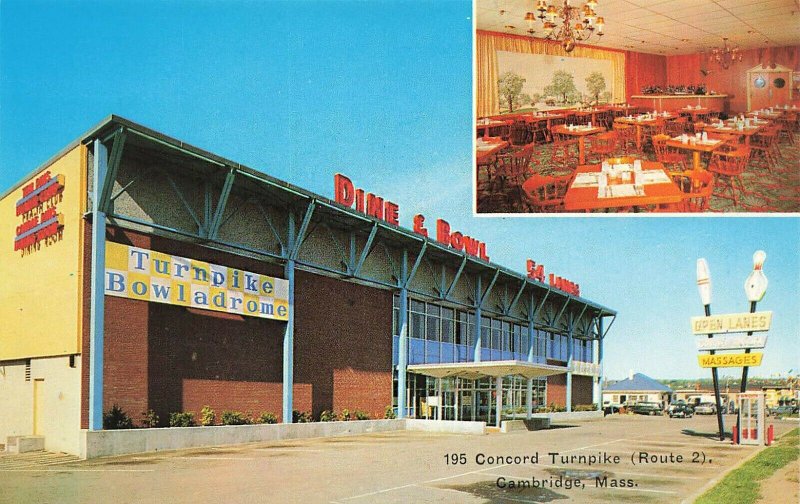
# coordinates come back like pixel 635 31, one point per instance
pixel 380 91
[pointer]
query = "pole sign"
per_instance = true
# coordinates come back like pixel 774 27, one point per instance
pixel 732 342
pixel 732 323
pixel 730 360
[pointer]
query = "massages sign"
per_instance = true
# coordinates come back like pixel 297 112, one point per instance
pixel 147 275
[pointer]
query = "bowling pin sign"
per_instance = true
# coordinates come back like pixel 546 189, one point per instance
pixel 704 281
pixel 756 284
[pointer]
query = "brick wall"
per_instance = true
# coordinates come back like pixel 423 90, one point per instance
pixel 169 358
pixel 557 388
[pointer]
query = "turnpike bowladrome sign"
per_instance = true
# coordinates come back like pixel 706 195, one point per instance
pixel 147 275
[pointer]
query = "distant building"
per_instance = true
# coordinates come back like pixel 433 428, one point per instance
pixel 637 388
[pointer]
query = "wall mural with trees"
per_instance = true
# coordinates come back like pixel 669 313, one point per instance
pixel 541 82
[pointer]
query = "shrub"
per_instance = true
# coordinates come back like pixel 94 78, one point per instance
pixel 301 417
pixel 328 416
pixel 585 407
pixel 389 413
pixel 149 419
pixel 179 419
pixel 234 418
pixel 360 415
pixel 207 416
pixel 267 418
pixel 345 415
pixel 116 418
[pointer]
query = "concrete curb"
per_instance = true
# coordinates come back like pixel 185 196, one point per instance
pixel 108 443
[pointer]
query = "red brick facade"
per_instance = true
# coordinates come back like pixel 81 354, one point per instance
pixel 169 358
pixel 557 388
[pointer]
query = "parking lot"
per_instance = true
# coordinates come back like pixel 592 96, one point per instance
pixel 682 458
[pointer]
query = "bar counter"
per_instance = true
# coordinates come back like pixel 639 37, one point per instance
pixel 715 103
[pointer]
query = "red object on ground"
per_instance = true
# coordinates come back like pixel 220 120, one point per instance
pixel 770 434
pixel 735 434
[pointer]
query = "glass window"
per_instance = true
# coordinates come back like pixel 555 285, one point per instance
pixel 506 335
pixel 416 327
pixel 517 343
pixel 486 333
pixel 433 330
pixel 448 325
pixel 496 336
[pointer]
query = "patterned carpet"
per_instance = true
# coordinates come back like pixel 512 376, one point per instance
pixel 775 190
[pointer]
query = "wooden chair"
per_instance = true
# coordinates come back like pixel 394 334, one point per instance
pixel 728 167
pixel 604 145
pixel 626 137
pixel 764 143
pixel 565 150
pixel 700 188
pixel 546 194
pixel 512 168
pixel 668 156
pixel 519 135
pixel 676 127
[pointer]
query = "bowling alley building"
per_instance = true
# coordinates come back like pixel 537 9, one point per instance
pixel 142 272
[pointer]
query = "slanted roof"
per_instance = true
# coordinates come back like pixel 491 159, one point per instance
pixel 639 382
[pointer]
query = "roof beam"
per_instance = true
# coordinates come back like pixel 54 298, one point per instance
pixel 490 287
pixel 114 159
pixel 297 241
pixel 367 247
pixel 186 205
pixel 216 221
pixel 455 278
pixel 516 298
pixel 414 268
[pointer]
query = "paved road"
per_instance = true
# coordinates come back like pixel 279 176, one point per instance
pixel 404 467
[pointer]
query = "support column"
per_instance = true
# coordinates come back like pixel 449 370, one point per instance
pixel 402 354
pixel 288 348
pixel 531 343
pixel 97 300
pixel 476 348
pixel 596 397
pixel 441 401
pixel 600 362
pixel 569 370
pixel 499 404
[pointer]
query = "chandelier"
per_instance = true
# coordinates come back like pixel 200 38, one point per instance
pixel 726 55
pixel 577 24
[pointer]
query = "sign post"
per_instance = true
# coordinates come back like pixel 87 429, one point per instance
pixel 755 286
pixel 704 288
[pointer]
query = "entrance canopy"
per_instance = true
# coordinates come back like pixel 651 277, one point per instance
pixel 475 370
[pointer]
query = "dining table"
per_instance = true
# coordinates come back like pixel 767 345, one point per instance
pixel 693 112
pixel 486 147
pixel 696 146
pixel 644 120
pixel 581 132
pixel 730 129
pixel 485 126
pixel 584 193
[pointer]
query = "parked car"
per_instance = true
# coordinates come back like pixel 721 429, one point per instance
pixel 673 404
pixel 681 410
pixel 782 411
pixel 706 408
pixel 647 408
pixel 611 408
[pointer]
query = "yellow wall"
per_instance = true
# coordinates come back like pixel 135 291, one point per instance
pixel 40 292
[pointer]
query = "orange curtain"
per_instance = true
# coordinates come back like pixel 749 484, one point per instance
pixel 487 44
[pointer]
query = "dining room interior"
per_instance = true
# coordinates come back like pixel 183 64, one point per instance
pixel 646 106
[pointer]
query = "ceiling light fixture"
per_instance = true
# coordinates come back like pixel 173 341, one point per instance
pixel 577 24
pixel 726 55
